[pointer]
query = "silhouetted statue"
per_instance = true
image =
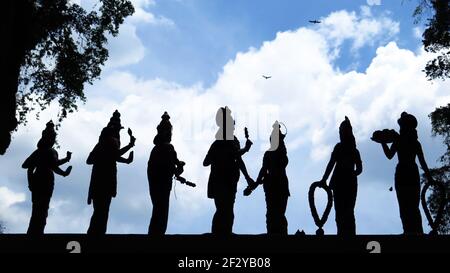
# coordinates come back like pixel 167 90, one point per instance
pixel 274 179
pixel 41 165
pixel 103 186
pixel 407 180
pixel 163 165
pixel 346 161
pixel 225 158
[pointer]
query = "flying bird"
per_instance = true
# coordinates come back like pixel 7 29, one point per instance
pixel 266 77
pixel 315 22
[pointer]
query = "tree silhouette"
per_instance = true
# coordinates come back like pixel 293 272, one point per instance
pixel 2 227
pixel 50 49
pixel 436 39
pixel 440 120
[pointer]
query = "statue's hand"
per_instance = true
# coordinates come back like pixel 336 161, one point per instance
pixel 248 144
pixel 248 191
pixel 130 157
pixel 68 171
pixel 132 138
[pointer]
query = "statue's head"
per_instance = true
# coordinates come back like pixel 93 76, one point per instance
pixel 408 125
pixel 48 138
pixel 346 132
pixel 226 124
pixel 276 137
pixel 164 129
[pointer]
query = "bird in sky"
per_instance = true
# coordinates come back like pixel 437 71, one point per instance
pixel 266 77
pixel 315 22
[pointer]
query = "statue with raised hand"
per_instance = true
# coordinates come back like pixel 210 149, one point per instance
pixel 104 158
pixel 41 166
pixel 225 158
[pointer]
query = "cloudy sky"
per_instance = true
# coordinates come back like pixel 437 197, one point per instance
pixel 190 57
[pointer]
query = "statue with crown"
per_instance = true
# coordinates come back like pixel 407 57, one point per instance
pixel 41 166
pixel 104 158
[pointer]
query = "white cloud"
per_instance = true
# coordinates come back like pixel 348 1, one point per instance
pixel 361 29
pixel 9 198
pixel 147 17
pixel 127 48
pixel 142 15
pixel 374 2
pixel 307 92
pixel 13 217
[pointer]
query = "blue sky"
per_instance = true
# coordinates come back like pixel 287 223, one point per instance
pixel 209 33
pixel 189 57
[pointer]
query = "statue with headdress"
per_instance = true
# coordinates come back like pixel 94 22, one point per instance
pixel 163 167
pixel 225 158
pixel 41 166
pixel 407 179
pixel 347 165
pixel 104 158
pixel 274 179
